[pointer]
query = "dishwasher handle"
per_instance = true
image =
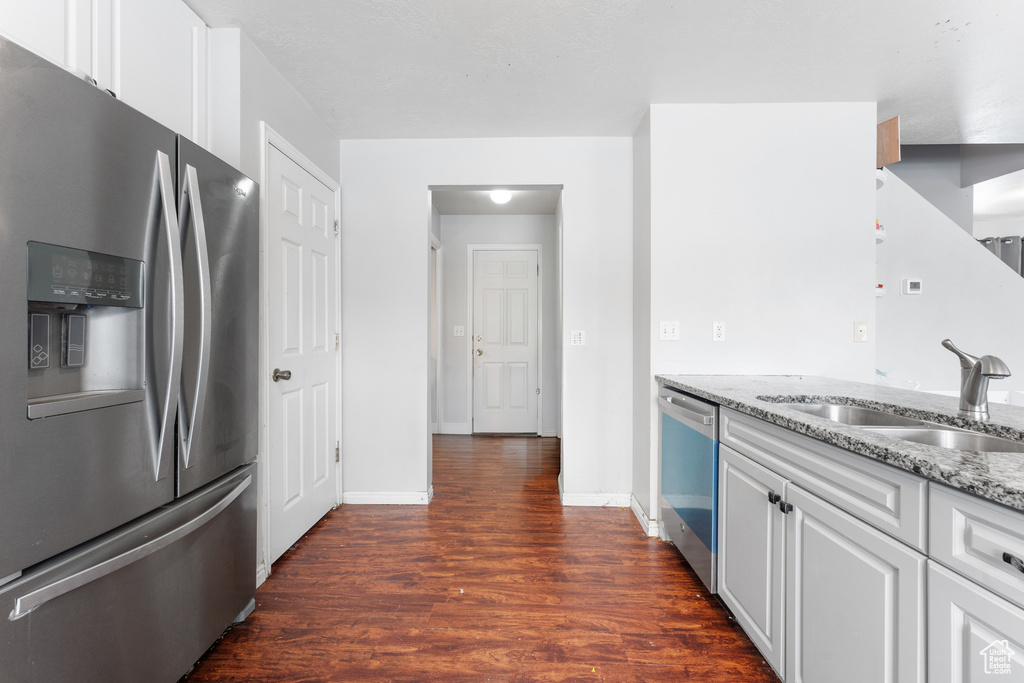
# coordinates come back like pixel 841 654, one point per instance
pixel 685 414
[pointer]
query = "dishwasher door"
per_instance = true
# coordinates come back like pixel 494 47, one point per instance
pixel 689 480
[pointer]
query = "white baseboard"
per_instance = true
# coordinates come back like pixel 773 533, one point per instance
pixel 455 428
pixel 549 432
pixel 607 500
pixel 261 574
pixel 388 497
pixel 650 525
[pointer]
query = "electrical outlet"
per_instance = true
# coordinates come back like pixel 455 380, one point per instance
pixel 578 338
pixel 718 331
pixel 669 330
pixel 460 331
pixel 860 331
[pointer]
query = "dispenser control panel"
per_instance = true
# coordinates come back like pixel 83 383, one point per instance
pixel 74 276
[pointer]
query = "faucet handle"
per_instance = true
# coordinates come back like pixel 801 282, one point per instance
pixel 967 361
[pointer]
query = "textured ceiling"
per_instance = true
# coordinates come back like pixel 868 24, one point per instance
pixel 951 69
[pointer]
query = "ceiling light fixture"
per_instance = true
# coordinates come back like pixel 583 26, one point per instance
pixel 500 196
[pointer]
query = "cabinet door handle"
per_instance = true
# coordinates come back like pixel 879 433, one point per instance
pixel 774 498
pixel 785 507
pixel 1014 562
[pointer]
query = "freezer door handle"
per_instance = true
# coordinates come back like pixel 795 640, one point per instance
pixel 168 410
pixel 41 596
pixel 192 408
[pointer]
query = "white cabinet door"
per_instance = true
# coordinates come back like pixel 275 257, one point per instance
pixel 855 599
pixel 751 551
pixel 973 635
pixel 161 65
pixel 73 33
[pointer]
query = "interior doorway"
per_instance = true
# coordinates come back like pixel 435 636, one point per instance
pixel 465 220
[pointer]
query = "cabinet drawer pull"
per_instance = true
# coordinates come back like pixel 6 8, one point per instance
pixel 1014 562
pixel 785 507
pixel 774 498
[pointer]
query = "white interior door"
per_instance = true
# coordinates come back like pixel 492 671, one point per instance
pixel 505 341
pixel 302 266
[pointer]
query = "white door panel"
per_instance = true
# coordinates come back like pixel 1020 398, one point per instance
pixel 751 551
pixel 505 341
pixel 849 583
pixel 302 267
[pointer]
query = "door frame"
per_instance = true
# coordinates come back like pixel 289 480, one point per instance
pixel 470 250
pixel 435 247
pixel 269 137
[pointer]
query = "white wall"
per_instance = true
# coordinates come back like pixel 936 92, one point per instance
pixel 245 89
pixel 999 227
pixel 934 173
pixel 968 295
pixel 645 417
pixel 762 217
pixel 457 233
pixel 384 270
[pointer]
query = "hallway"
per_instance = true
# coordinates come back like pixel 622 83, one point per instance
pixel 494 580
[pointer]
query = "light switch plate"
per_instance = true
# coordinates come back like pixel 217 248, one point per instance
pixel 578 338
pixel 460 331
pixel 668 330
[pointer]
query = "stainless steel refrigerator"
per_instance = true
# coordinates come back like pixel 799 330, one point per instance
pixel 128 410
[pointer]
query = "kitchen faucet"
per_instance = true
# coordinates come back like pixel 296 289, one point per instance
pixel 974 376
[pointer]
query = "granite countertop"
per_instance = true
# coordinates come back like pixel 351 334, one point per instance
pixel 998 477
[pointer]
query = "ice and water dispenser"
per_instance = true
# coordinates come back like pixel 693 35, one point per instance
pixel 85 330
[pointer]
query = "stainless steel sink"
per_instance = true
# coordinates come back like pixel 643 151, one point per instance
pixel 907 428
pixel 856 416
pixel 949 437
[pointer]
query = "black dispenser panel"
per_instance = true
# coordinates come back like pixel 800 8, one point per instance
pixel 75 276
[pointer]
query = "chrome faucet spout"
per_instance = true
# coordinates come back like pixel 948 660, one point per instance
pixel 974 376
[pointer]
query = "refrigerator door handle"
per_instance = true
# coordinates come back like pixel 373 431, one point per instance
pixel 192 408
pixel 41 596
pixel 168 410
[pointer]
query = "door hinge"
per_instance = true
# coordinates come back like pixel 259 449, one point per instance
pixel 538 269
pixel 337 225
pixel 337 451
pixel 538 390
pixel 337 341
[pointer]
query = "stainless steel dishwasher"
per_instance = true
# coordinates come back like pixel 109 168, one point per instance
pixel 688 447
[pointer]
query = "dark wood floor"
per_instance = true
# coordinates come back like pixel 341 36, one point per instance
pixel 494 580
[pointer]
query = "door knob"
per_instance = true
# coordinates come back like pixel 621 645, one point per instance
pixel 479 352
pixel 281 374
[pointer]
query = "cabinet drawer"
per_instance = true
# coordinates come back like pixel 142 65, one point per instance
pixel 888 498
pixel 980 539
